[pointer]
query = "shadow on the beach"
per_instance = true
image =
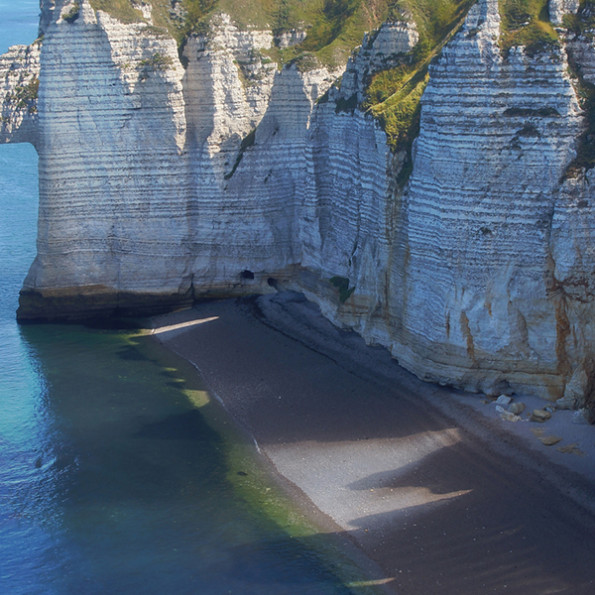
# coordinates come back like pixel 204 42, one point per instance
pixel 482 534
pixel 437 550
pixel 442 471
pixel 483 525
pixel 285 391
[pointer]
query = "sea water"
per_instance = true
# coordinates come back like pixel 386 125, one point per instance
pixel 111 481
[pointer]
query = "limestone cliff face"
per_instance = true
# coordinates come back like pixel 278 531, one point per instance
pixel 111 135
pixel 162 182
pixel 485 278
pixel 349 210
pixel 495 141
pixel 248 127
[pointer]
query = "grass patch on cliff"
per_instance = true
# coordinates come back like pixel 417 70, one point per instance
pixel 526 23
pixel 435 19
pixel 340 27
pixel 119 9
pixel 342 285
pixel 399 113
pixel 333 27
pixel 393 95
pixel 194 19
pixel 25 96
pixel 164 19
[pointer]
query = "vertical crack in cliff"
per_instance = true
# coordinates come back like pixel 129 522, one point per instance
pixel 466 330
pixel 562 335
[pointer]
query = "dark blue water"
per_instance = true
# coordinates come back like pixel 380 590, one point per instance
pixel 111 481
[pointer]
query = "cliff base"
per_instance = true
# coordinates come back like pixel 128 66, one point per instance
pixel 84 304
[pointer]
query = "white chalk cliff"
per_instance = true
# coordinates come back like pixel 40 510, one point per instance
pixel 161 182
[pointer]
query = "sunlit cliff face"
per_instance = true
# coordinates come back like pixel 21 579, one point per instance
pixel 468 253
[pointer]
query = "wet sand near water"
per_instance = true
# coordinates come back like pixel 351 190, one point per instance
pixel 441 500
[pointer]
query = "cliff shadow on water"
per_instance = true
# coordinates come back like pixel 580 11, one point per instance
pixel 138 481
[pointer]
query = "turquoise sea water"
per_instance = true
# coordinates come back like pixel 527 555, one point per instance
pixel 110 479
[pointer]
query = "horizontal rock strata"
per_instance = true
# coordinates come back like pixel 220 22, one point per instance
pixel 495 140
pixel 111 136
pixel 162 182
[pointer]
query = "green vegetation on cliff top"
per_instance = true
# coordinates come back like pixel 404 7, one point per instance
pixel 526 23
pixel 119 9
pixel 335 27
pixel 393 95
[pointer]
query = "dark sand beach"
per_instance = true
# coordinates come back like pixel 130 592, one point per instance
pixel 437 491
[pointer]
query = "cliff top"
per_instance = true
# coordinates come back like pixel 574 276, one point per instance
pixel 330 28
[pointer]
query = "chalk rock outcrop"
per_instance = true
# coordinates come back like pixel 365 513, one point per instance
pixel 495 140
pixel 162 182
pixel 483 267
pixel 111 136
pixel 349 207
pixel 19 85
pixel 558 8
pixel 247 135
pixel 150 184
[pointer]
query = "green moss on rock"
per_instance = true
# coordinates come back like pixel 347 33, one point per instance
pixel 25 96
pixel 342 284
pixel 526 23
pixel 393 95
pixel 73 14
